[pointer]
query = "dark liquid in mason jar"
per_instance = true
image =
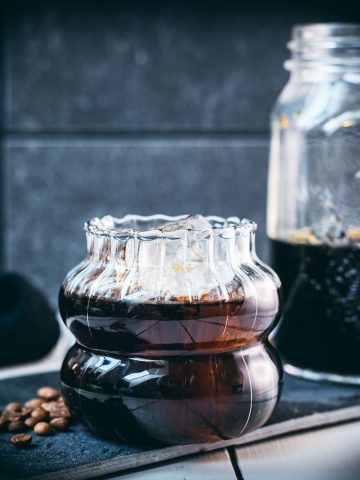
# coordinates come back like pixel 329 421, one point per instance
pixel 320 326
pixel 158 329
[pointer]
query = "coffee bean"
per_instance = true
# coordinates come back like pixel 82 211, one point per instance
pixel 21 440
pixel 60 424
pixel 15 416
pixel 12 416
pixel 56 409
pixel 25 412
pixel 31 422
pixel 60 412
pixel 39 414
pixel 34 403
pixel 48 406
pixel 48 393
pixel 42 429
pixel 16 426
pixel 13 407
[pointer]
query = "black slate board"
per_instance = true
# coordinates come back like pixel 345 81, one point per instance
pixel 299 398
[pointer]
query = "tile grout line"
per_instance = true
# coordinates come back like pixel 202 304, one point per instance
pixel 144 139
pixel 235 463
pixel 135 134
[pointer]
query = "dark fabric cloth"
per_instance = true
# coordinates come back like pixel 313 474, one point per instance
pixel 28 326
pixel 79 447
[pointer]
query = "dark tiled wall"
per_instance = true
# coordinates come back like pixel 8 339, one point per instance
pixel 134 107
pixel 74 179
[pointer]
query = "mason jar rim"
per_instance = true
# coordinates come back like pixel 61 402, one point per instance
pixel 327 46
pixel 320 32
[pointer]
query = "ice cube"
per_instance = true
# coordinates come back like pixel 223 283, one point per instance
pixel 182 266
pixel 190 223
pixel 331 230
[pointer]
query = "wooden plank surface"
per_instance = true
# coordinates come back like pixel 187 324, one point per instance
pixel 331 453
pixel 118 464
pixel 209 466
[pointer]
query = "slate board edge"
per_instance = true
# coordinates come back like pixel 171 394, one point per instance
pixel 120 464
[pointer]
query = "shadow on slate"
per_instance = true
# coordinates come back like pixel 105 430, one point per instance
pixel 78 447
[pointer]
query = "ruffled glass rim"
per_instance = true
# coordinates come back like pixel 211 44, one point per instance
pixel 145 226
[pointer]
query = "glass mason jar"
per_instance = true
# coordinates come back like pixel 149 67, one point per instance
pixel 313 218
pixel 171 317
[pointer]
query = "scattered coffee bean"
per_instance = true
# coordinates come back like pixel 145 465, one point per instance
pixel 35 413
pixel 13 407
pixel 48 393
pixel 33 403
pixel 31 422
pixel 16 426
pixel 21 440
pixel 60 407
pixel 25 412
pixel 60 412
pixel 39 414
pixel 12 416
pixel 56 409
pixel 60 424
pixel 42 429
pixel 47 406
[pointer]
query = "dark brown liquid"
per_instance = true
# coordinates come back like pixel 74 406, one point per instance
pixel 320 327
pixel 174 400
pixel 146 329
pixel 171 372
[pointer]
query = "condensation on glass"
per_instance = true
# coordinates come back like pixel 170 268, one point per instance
pixel 313 217
pixel 171 317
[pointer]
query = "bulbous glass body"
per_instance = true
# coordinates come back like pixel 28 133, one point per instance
pixel 313 203
pixel 171 321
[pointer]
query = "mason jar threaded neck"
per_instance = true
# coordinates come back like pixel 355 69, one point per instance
pixel 331 47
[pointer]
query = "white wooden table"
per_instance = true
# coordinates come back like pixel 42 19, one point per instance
pixel 331 453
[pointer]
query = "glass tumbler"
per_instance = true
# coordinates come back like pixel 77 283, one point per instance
pixel 171 317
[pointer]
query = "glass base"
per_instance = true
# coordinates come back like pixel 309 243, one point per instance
pixel 322 376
